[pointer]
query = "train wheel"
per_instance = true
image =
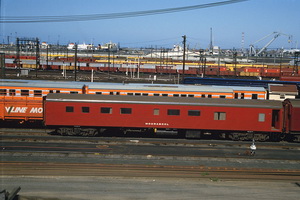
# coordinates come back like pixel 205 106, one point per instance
pixel 276 137
pixel 296 138
pixel 261 137
pixel 65 131
pixel 234 136
pixel 92 132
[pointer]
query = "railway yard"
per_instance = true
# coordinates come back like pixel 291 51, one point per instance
pixel 132 167
pixel 154 146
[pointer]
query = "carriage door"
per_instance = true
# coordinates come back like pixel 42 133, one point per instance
pixel 275 119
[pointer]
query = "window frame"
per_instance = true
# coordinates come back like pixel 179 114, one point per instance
pixel 194 113
pixel 173 112
pixel 69 109
pixel 12 92
pixel 25 93
pixel 37 93
pixel 106 110
pixel 220 116
pixel 3 92
pixel 261 117
pixel 85 109
pixel 125 111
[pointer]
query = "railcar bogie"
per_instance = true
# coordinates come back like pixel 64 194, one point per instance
pixel 246 136
pixel 296 138
pixel 77 131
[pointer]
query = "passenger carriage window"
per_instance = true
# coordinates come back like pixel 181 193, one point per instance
pixel 50 91
pixel 57 91
pixel 156 95
pixel 203 96
pixel 175 95
pixel 12 92
pixel 137 94
pixel 242 95
pixel 164 95
pixel 125 110
pixel 219 116
pixel 73 92
pixel 261 117
pixel 194 113
pixel 37 93
pixel 155 111
pixel 98 93
pixel 111 93
pixel 3 92
pixel 254 96
pixel 173 112
pixel 130 94
pixel 145 94
pixel 209 96
pixel 236 95
pixel 106 110
pixel 222 96
pixel 85 109
pixel 190 95
pixel 69 109
pixel 24 92
pixel 183 95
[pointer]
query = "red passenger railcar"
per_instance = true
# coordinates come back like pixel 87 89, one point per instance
pixel 292 116
pixel 85 114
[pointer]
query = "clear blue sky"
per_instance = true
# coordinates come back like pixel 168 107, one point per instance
pixel 256 18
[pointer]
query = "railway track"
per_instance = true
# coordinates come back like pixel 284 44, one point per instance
pixel 25 151
pixel 125 170
pixel 44 135
pixel 35 158
pixel 39 141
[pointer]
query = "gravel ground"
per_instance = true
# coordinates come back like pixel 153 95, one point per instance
pixel 111 188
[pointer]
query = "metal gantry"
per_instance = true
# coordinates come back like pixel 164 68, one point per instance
pixel 27 45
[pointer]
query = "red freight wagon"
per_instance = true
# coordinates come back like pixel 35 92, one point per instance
pixel 151 113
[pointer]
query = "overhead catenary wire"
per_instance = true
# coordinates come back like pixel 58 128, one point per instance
pixel 70 18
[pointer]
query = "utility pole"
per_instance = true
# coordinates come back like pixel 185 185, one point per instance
pixel 2 65
pixel 37 56
pixel 17 60
pixel 108 62
pixel 235 62
pixel 211 43
pixel 75 60
pixel 296 62
pixel 47 57
pixel 183 60
pixel 219 61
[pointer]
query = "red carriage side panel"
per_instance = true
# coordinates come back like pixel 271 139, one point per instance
pixel 153 112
